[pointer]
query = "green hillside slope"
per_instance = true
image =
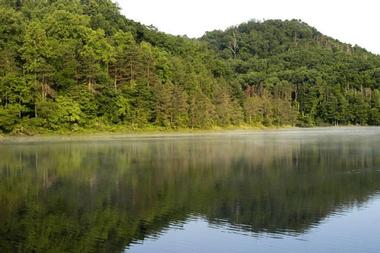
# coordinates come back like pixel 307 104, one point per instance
pixel 72 65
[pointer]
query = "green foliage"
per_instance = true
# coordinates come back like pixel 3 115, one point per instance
pixel 202 111
pixel 63 112
pixel 114 107
pixel 70 53
pixel 9 117
pixel 321 72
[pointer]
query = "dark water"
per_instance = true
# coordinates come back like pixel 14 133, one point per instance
pixel 315 190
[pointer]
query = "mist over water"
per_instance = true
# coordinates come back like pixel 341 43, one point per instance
pixel 314 190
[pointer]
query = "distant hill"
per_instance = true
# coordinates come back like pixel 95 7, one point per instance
pixel 80 64
pixel 331 82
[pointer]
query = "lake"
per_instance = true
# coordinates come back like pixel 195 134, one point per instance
pixel 296 190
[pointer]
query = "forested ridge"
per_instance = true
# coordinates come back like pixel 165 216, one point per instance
pixel 80 64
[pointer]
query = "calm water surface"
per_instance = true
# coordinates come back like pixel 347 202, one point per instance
pixel 312 190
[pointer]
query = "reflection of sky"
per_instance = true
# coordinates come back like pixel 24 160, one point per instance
pixel 355 230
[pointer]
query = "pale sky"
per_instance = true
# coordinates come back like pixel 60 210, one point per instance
pixel 354 22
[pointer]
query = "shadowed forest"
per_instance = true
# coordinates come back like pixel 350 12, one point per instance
pixel 80 64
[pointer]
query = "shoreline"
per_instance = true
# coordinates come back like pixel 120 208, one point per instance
pixel 128 134
pixel 151 134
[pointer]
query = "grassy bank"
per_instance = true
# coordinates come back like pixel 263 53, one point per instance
pixel 119 131
pixel 116 134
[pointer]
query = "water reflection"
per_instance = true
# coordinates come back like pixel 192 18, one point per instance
pixel 352 231
pixel 105 196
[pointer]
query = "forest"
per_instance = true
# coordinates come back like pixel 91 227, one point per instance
pixel 71 65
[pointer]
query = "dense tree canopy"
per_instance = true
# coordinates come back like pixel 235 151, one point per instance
pixel 75 64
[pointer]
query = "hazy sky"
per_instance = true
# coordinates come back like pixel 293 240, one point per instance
pixel 355 22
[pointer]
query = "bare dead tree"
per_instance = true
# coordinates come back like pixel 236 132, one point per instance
pixel 234 47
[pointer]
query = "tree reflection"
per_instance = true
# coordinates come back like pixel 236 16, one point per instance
pixel 103 196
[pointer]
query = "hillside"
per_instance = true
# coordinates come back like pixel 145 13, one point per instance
pixel 80 64
pixel 328 81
